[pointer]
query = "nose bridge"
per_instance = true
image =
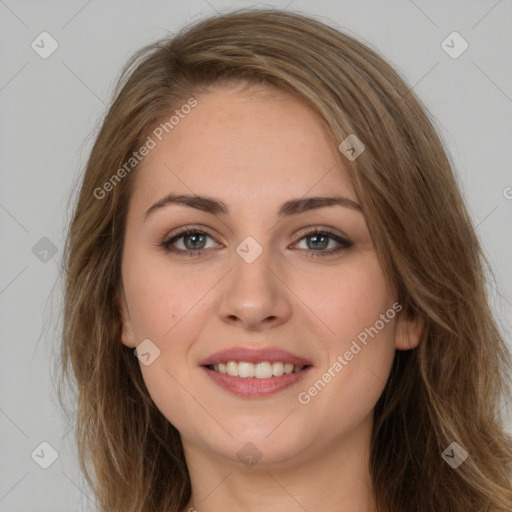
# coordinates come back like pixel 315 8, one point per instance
pixel 253 267
pixel 253 293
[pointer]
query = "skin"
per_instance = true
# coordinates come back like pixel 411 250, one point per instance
pixel 255 148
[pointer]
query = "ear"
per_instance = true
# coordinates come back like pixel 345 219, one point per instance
pixel 409 330
pixel 127 331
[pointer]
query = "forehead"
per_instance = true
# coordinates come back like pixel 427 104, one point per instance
pixel 252 142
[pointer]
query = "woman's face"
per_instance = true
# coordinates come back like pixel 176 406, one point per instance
pixel 266 273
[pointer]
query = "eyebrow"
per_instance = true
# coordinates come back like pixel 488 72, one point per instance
pixel 217 206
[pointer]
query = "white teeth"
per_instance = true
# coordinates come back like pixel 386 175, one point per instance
pixel 288 368
pixel 263 370
pixel 245 370
pixel 277 369
pixel 232 368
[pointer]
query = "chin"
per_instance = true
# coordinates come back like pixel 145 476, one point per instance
pixel 260 446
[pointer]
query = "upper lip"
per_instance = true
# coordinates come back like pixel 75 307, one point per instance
pixel 255 355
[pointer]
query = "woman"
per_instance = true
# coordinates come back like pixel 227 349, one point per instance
pixel 270 223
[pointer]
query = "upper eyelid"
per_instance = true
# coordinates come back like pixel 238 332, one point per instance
pixel 187 230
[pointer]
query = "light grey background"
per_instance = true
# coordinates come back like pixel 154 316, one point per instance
pixel 51 107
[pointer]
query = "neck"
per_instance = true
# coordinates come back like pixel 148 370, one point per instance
pixel 333 478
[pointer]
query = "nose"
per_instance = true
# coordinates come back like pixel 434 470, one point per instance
pixel 255 296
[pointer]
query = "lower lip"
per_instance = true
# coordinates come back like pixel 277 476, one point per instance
pixel 252 387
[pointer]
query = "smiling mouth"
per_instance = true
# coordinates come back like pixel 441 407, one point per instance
pixel 261 370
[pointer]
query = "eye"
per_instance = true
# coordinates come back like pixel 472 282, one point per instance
pixel 320 242
pixel 191 241
pixel 188 241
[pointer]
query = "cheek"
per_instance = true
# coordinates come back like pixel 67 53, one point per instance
pixel 163 300
pixel 166 307
pixel 346 388
pixel 169 385
pixel 360 312
pixel 351 299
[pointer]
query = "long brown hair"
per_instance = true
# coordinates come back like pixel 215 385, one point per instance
pixel 449 389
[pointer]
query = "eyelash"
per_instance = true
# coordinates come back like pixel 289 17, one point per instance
pixel 344 244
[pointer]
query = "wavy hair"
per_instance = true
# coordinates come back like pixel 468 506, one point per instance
pixel 448 389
